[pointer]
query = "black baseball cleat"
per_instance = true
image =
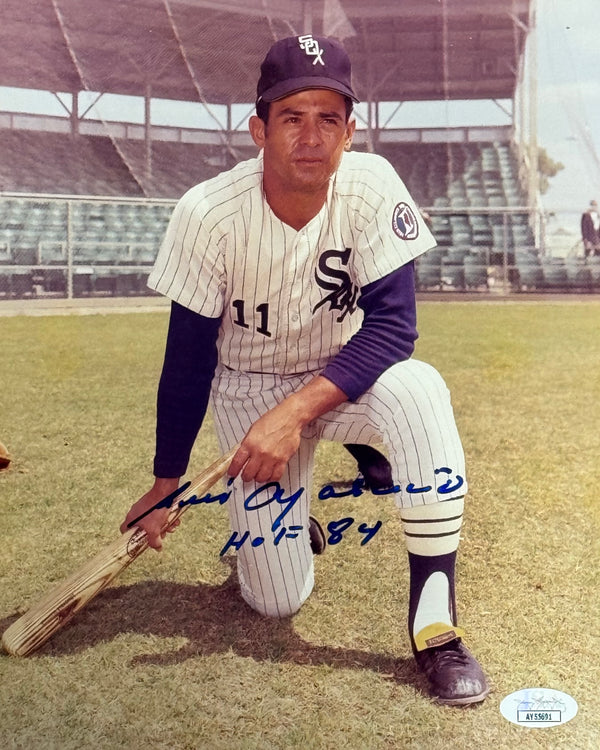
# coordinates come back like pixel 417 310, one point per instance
pixel 318 541
pixel 453 674
pixel 373 465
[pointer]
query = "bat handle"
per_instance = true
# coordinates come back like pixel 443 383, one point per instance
pixel 200 484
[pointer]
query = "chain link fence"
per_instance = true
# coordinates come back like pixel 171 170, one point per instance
pixel 91 247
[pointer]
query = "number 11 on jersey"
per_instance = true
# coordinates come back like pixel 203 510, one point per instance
pixel 262 310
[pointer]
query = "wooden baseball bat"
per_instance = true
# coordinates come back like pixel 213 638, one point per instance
pixel 63 601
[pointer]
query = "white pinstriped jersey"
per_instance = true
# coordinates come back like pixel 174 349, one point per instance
pixel 287 298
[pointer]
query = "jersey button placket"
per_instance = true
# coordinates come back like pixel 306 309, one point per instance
pixel 285 297
pixel 295 289
pixel 302 253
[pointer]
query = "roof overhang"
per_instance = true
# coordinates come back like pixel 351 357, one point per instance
pixel 196 49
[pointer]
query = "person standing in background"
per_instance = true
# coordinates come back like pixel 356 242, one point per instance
pixel 590 230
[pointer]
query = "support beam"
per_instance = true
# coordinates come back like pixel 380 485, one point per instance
pixel 148 130
pixel 307 17
pixel 74 113
pixel 533 187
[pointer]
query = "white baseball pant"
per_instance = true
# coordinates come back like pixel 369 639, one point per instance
pixel 408 409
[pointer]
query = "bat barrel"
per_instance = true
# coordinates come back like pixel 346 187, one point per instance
pixel 62 602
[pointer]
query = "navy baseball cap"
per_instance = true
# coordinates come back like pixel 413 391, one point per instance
pixel 304 62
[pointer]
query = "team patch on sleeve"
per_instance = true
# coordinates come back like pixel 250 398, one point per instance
pixel 404 222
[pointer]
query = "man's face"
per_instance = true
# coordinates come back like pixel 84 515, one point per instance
pixel 304 140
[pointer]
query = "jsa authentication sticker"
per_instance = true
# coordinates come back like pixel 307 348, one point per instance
pixel 538 708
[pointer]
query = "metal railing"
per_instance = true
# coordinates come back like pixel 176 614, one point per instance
pixel 58 246
pixel 78 246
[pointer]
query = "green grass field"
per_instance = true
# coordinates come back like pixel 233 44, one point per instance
pixel 170 657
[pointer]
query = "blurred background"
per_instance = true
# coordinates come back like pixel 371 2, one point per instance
pixel 109 112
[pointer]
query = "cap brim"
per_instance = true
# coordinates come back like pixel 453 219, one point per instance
pixel 292 86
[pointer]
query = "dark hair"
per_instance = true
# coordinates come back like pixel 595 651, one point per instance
pixel 262 109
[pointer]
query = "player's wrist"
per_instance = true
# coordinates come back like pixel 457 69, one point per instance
pixel 314 399
pixel 294 411
pixel 165 484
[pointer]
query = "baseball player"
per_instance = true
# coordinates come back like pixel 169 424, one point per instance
pixel 293 311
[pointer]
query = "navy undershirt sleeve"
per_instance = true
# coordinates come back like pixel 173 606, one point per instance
pixel 387 335
pixel 184 388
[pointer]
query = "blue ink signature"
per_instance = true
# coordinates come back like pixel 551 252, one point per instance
pixel 327 492
pixel 358 487
pixel 336 531
pixel 167 501
pixel 223 497
pixel 257 541
pixel 278 497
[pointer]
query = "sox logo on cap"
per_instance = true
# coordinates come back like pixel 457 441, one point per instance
pixel 311 47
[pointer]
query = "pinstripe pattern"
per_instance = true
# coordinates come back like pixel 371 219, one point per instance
pixel 226 253
pixel 274 580
pixel 408 409
pixel 287 303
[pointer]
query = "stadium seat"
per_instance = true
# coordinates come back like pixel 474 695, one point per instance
pixel 433 257
pixel 475 271
pixel 442 229
pixel 555 274
pixel 429 269
pixel 113 232
pixel 593 264
pixel 52 252
pixel 16 283
pixel 54 281
pixel 579 276
pixel 82 281
pixel 428 276
pixel 453 274
pixel 530 275
pixel 5 285
pixel 126 283
pixel 455 256
pixel 103 281
pixel 56 163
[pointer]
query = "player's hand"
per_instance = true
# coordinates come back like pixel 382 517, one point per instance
pixel 275 437
pixel 268 446
pixel 155 523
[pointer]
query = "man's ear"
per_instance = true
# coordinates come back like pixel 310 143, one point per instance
pixel 350 128
pixel 257 130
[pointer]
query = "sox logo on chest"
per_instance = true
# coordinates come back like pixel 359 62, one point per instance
pixel 330 275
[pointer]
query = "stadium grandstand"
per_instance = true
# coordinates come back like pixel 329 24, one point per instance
pixel 139 100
